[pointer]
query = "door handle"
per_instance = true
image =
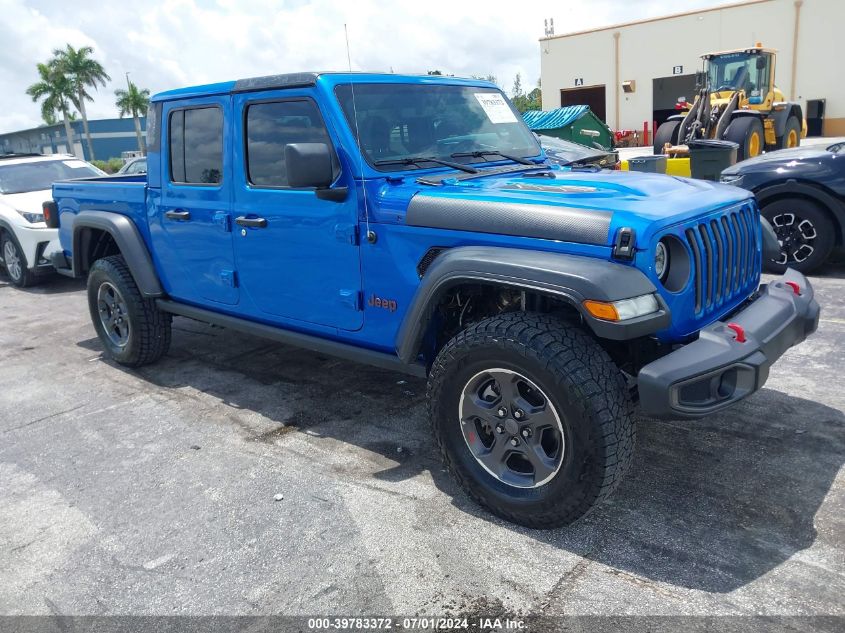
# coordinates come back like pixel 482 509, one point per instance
pixel 181 216
pixel 256 223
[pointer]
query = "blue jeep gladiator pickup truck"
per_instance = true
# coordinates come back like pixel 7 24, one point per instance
pixel 411 223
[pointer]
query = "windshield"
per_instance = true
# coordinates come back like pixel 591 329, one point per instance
pixel 740 71
pixel 398 122
pixel 41 174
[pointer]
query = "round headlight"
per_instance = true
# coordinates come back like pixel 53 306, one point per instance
pixel 661 261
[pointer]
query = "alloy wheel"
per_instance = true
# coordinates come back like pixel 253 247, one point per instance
pixel 511 428
pixel 114 316
pixel 796 236
pixel 12 260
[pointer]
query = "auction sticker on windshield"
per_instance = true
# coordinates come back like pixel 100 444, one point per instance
pixel 495 107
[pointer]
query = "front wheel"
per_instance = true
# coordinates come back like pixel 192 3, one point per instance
pixel 747 132
pixel 805 231
pixel 14 261
pixel 532 417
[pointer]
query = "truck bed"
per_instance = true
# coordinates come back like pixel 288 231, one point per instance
pixel 126 195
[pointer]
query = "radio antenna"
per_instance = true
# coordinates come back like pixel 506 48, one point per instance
pixel 370 234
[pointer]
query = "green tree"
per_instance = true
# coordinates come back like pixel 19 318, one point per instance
pixel 55 91
pixel 83 72
pixel 135 102
pixel 525 102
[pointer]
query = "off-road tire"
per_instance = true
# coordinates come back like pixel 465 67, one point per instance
pixel 584 385
pixel 822 225
pixel 25 277
pixel 666 133
pixel 743 131
pixel 149 327
pixel 793 126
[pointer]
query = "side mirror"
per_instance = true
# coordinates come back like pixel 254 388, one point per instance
pixel 309 165
pixel 761 63
pixel 700 79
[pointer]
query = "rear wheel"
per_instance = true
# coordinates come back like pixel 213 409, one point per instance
pixel 805 233
pixel 791 134
pixel 747 132
pixel 14 261
pixel 532 418
pixel 666 133
pixel 132 329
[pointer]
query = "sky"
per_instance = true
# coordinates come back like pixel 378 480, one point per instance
pixel 166 44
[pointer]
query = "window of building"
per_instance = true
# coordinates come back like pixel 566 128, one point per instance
pixel 272 125
pixel 196 146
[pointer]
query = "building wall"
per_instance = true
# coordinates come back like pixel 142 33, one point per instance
pixel 652 48
pixel 110 137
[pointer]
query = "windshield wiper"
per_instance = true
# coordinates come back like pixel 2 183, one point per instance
pixel 483 153
pixel 416 160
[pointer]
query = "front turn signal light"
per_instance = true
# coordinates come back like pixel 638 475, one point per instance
pixel 624 309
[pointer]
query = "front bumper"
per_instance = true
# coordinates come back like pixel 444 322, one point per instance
pixel 37 244
pixel 718 370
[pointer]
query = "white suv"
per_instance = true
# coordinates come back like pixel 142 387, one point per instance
pixel 26 181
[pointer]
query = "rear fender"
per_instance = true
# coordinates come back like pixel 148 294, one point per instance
pixel 128 240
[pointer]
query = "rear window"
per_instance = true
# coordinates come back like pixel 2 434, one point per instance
pixel 41 174
pixel 196 146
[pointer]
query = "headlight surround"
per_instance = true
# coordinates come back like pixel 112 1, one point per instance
pixel 624 309
pixel 661 260
pixel 32 218
pixel 676 274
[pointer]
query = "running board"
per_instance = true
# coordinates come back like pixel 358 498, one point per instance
pixel 295 339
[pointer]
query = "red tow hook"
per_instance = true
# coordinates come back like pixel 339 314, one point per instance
pixel 738 330
pixel 795 287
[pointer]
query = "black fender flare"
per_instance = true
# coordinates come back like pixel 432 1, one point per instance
pixel 570 278
pixel 781 116
pixel 794 188
pixel 128 240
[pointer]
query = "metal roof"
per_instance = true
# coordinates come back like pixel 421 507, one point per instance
pixel 553 119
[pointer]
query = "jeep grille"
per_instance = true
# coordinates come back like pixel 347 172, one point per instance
pixel 725 256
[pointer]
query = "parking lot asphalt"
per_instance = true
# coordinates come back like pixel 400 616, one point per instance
pixel 152 491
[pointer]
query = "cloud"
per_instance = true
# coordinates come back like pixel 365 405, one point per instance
pixel 165 44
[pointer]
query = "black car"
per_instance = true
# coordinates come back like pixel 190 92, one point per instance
pixel 802 193
pixel 562 152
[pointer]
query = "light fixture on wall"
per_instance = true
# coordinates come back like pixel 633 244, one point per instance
pixel 629 85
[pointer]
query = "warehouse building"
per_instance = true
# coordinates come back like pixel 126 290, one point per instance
pixel 633 74
pixel 110 137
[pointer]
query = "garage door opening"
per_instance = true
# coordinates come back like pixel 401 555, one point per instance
pixel 667 91
pixel 593 96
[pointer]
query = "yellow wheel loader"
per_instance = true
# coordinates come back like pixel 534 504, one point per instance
pixel 737 101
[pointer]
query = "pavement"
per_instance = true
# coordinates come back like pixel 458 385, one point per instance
pixel 153 491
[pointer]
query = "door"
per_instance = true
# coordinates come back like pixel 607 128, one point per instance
pixel 297 254
pixel 191 230
pixel 666 91
pixel 593 96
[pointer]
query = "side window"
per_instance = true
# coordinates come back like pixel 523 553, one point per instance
pixel 196 146
pixel 269 127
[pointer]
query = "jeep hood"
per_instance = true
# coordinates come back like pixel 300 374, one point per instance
pixel 560 204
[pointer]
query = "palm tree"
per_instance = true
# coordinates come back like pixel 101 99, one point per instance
pixel 133 101
pixel 83 73
pixel 56 94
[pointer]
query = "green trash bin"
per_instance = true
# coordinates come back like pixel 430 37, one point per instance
pixel 650 164
pixel 708 157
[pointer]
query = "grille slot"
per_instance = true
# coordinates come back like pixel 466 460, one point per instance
pixel 724 257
